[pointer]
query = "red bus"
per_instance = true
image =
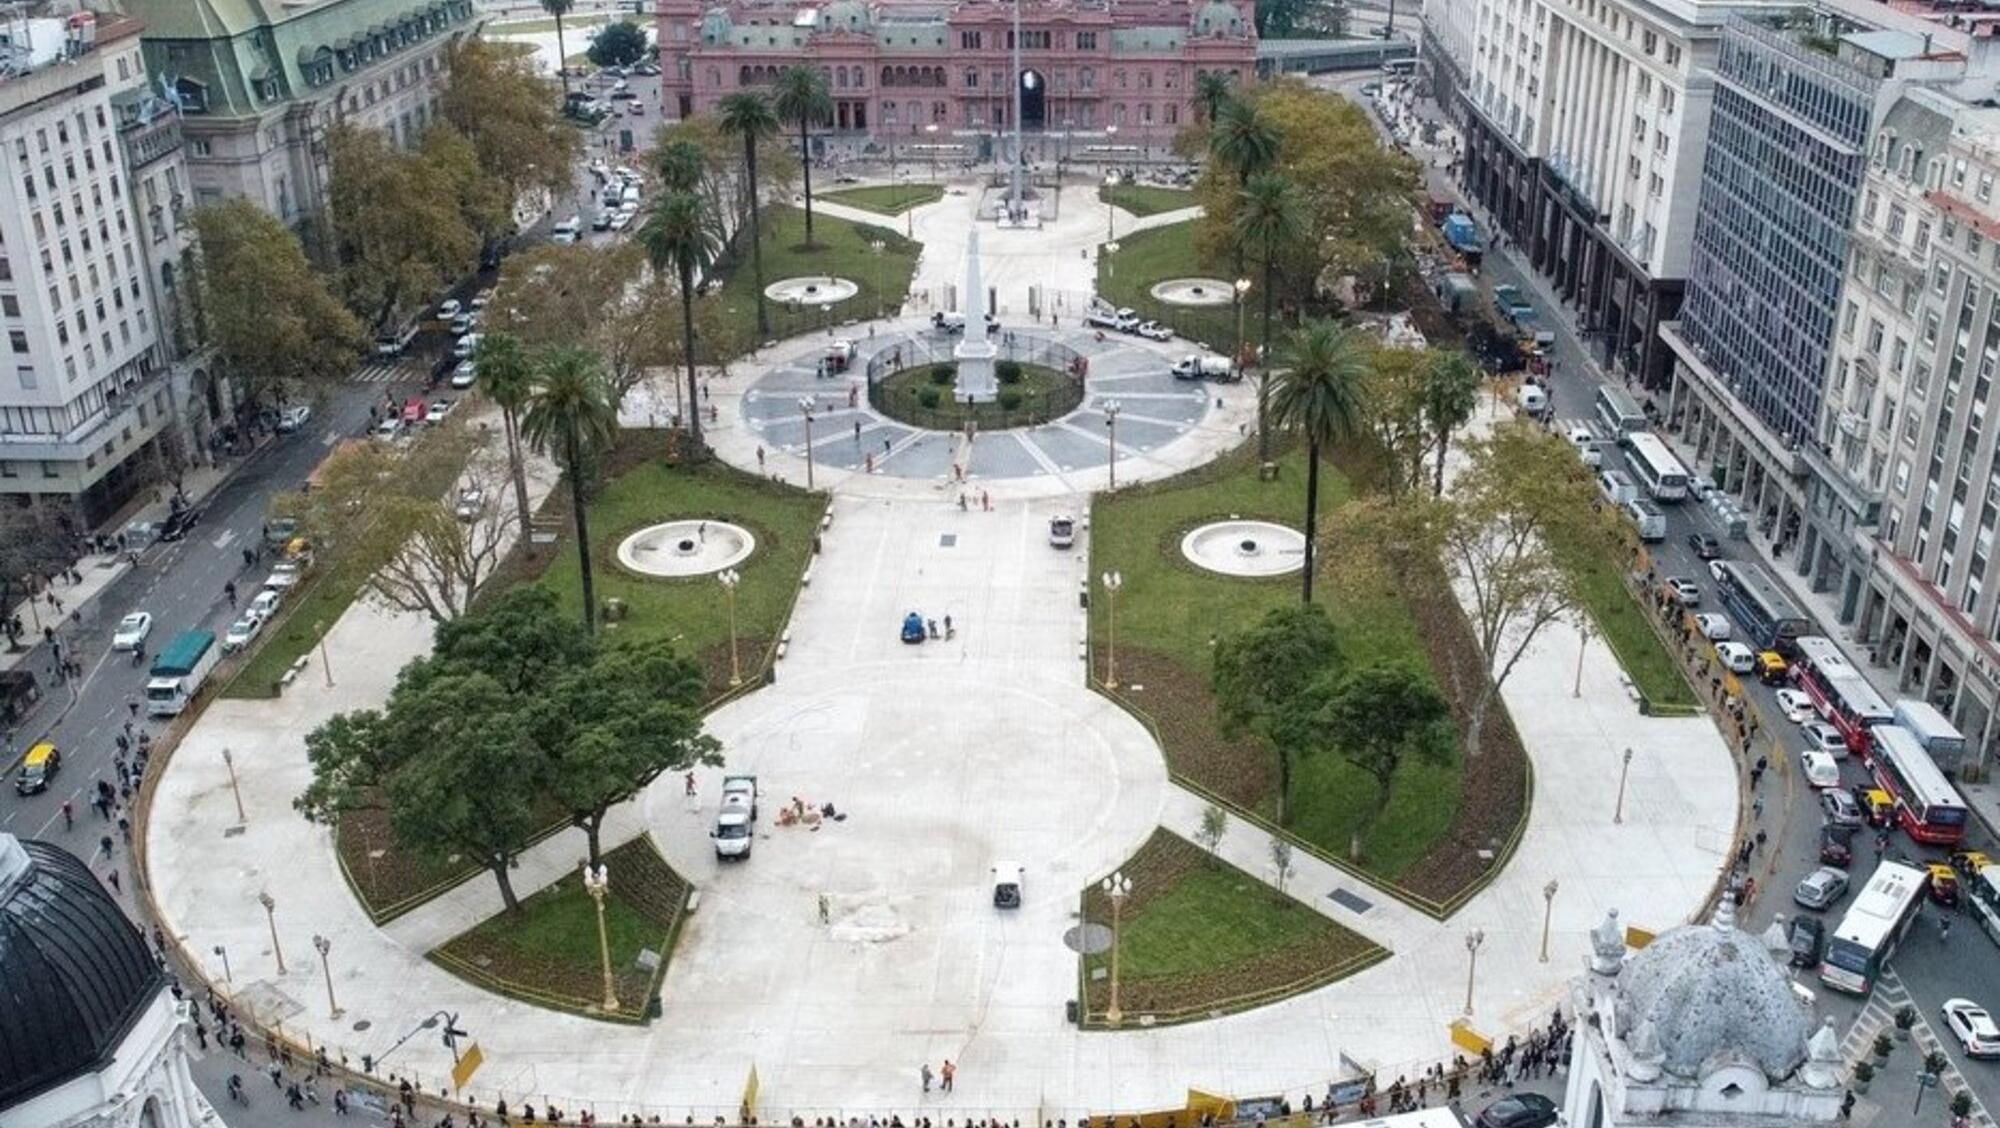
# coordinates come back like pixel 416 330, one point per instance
pixel 1927 805
pixel 1842 695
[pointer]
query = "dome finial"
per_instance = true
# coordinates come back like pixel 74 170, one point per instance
pixel 1822 1070
pixel 1607 945
pixel 1725 912
pixel 1647 1055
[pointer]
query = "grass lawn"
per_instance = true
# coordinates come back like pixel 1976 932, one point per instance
pixel 841 248
pixel 1041 394
pixel 1169 613
pixel 572 25
pixel 1622 620
pixel 642 489
pixel 1145 258
pixel 1198 935
pixel 888 199
pixel 1146 199
pixel 548 952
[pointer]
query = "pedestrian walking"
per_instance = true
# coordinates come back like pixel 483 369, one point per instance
pixel 112 877
pixel 948 629
pixel 1944 928
pixel 69 816
pixel 760 459
pixel 687 785
pixel 985 501
pixel 1756 778
pixel 132 707
pixel 1757 805
pixel 825 913
pixel 947 1073
pixel 104 845
pixel 924 1071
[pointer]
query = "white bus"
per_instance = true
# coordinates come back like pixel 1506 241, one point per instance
pixel 1982 892
pixel 1655 467
pixel 1877 920
pixel 1619 412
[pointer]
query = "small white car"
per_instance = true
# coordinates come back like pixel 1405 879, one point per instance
pixel 471 500
pixel 389 427
pixel 1738 658
pixel 466 372
pixel 480 299
pixel 1972 1026
pixel 1820 768
pixel 1821 888
pixel 448 309
pixel 1712 626
pixel 241 631
pixel 1685 590
pixel 1796 705
pixel 1823 737
pixel 1715 570
pixel 266 603
pixel 293 418
pixel 1586 446
pixel 439 409
pixel 132 631
pixel 465 346
pixel 284 576
pixel 1154 331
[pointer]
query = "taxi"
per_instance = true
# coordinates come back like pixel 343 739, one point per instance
pixel 1969 862
pixel 37 768
pixel 1772 669
pixel 1876 805
pixel 1942 883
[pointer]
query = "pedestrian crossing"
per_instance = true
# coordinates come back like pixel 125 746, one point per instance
pixel 382 374
pixel 1879 1015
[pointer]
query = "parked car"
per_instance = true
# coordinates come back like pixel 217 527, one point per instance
pixel 1736 657
pixel 132 631
pixel 439 410
pixel 285 576
pixel 1820 768
pixel 1805 935
pixel 1821 888
pixel 242 631
pixel 389 427
pixel 293 418
pixel 1517 1110
pixel 1823 737
pixel 465 346
pixel 463 375
pixel 471 500
pixel 180 524
pixel 1838 807
pixel 266 603
pixel 913 627
pixel 1712 626
pixel 1685 590
pixel 1796 705
pixel 1705 546
pixel 1007 885
pixel 1972 1026
pixel 1836 846
pixel 1154 331
pixel 448 309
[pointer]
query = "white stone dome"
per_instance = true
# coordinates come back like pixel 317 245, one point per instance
pixel 1712 995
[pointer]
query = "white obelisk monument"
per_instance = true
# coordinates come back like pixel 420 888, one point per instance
pixel 975 350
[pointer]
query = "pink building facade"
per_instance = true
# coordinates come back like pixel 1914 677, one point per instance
pixel 934 67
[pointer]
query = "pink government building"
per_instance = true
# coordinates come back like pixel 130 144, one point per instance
pixel 898 67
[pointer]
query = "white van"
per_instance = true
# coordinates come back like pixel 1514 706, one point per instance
pixel 1652 523
pixel 1617 487
pixel 1534 401
pixel 392 341
pixel 568 231
pixel 1585 442
pixel 1203 366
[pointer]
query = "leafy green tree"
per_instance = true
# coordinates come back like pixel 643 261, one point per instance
pixel 610 728
pixel 802 97
pixel 1208 833
pixel 511 116
pixel 508 375
pixel 1319 394
pixel 267 313
pixel 1242 140
pixel 485 202
pixel 396 236
pixel 1281 861
pixel 682 164
pixel 678 236
pixel 559 9
pixel 748 114
pixel 1450 396
pixel 1268 220
pixel 1212 88
pixel 1258 670
pixel 1374 717
pixel 619 43
pixel 522 640
pixel 36 541
pixel 569 414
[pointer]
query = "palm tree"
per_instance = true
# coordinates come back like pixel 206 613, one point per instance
pixel 748 115
pixel 678 236
pixel 1243 140
pixel 1326 365
pixel 503 366
pixel 1267 217
pixel 570 413
pixel 803 98
pixel 559 9
pixel 681 164
pixel 1211 90
pixel 1451 395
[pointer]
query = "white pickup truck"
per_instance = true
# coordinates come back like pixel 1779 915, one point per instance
pixel 735 822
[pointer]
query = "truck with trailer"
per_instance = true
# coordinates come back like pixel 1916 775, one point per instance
pixel 180 671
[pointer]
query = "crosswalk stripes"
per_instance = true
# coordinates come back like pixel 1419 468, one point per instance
pixel 1879 1014
pixel 380 374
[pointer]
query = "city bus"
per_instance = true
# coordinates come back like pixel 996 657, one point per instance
pixel 1843 696
pixel 1876 921
pixel 1982 893
pixel 1927 805
pixel 1619 412
pixel 1758 605
pixel 1655 467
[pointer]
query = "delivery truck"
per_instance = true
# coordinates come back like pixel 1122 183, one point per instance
pixel 180 671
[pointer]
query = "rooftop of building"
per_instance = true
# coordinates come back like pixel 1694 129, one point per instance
pixel 36 36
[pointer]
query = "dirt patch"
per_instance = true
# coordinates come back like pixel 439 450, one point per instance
pixel 715 668
pixel 1239 769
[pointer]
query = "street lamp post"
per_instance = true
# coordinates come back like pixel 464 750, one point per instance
pixel 1111 410
pixel 1242 291
pixel 1473 940
pixel 930 131
pixel 729 578
pixel 1112 582
pixel 270 904
pixel 322 945
pixel 1582 644
pixel 1110 210
pixel 1548 910
pixel 1110 135
pixel 806 406
pixel 325 667
pixel 598 882
pixel 230 762
pixel 1115 887
pixel 1624 770
pixel 224 953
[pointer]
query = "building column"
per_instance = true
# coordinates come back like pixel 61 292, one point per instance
pixel 1806 560
pixel 1850 596
pixel 1906 662
pixel 1976 742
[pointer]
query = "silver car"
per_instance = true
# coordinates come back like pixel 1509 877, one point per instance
pixel 1821 888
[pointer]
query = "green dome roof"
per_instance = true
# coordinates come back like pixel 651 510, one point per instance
pixel 1218 18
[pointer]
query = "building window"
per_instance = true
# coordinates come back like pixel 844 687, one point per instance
pixel 1086 41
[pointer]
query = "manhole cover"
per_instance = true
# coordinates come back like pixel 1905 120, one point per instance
pixel 1088 939
pixel 361 1026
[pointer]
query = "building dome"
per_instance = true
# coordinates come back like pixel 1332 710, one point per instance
pixel 1218 18
pixel 1706 994
pixel 74 973
pixel 717 27
pixel 846 15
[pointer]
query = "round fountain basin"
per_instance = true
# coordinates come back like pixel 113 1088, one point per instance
pixel 1245 548
pixel 686 548
pixel 1196 293
pixel 812 290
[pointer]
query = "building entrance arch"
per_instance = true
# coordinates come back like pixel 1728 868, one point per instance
pixel 1034 99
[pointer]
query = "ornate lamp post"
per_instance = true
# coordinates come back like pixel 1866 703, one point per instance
pixel 1548 911
pixel 229 761
pixel 325 667
pixel 1242 291
pixel 1110 209
pixel 598 882
pixel 322 945
pixel 1116 887
pixel 1112 582
pixel 1111 410
pixel 270 904
pixel 224 954
pixel 729 578
pixel 1618 816
pixel 806 406
pixel 930 131
pixel 1473 940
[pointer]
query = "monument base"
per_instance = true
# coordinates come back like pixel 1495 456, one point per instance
pixel 976 381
